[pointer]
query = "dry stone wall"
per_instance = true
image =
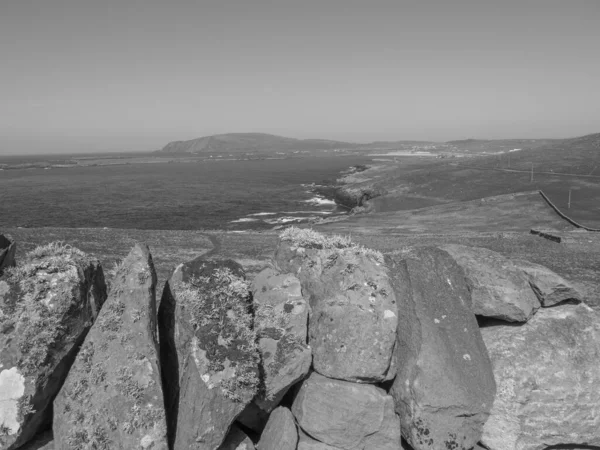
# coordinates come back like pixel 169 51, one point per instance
pixel 334 347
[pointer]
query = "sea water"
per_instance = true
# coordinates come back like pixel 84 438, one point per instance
pixel 234 195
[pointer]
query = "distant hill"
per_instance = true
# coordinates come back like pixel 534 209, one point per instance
pixel 247 142
pixel 497 145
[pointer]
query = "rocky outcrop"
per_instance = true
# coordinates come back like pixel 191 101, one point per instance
pixel 280 432
pixel 549 287
pixel 349 290
pixel 281 319
pixel 357 195
pixel 548 377
pixel 499 288
pixel 345 415
pixel 210 360
pixel 113 397
pixel 444 388
pixel 47 305
pixel 7 253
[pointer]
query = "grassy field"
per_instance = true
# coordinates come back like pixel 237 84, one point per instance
pixel 576 258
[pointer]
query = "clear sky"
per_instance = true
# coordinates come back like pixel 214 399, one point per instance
pixel 89 75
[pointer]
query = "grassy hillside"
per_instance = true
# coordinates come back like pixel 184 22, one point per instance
pixel 558 167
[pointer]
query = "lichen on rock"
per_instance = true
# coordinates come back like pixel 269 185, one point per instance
pixel 210 361
pixel 224 342
pixel 47 304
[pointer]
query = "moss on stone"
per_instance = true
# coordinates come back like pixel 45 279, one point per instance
pixel 37 307
pixel 218 309
pixel 310 239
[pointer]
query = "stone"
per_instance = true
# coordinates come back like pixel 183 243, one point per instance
pixel 549 287
pixel 499 288
pixel 280 432
pixel 209 355
pixel 7 253
pixel 445 387
pixel 340 413
pixel 389 436
pixel 348 289
pixel 47 306
pixel 236 440
pixel 305 442
pixel 548 378
pixel 281 324
pixel 113 395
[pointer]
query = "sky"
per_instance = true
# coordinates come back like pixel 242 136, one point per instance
pixel 128 75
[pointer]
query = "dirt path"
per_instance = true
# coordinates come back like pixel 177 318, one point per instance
pixel 214 240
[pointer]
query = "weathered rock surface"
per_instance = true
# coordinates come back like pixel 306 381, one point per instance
pixel 281 324
pixel 343 414
pixel 548 378
pixel 47 306
pixel 208 351
pixel 445 386
pixel 499 288
pixel 113 397
pixel 389 436
pixel 7 253
pixel 236 440
pixel 305 442
pixel 280 432
pixel 549 287
pixel 349 290
pixel 356 195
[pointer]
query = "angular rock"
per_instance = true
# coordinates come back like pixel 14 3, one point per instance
pixel 47 306
pixel 343 414
pixel 499 288
pixel 208 351
pixel 548 378
pixel 358 194
pixel 7 253
pixel 349 290
pixel 305 442
pixel 445 386
pixel 236 440
pixel 549 287
pixel 280 432
pixel 281 324
pixel 113 397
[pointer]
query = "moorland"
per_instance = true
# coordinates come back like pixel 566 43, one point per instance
pixel 473 192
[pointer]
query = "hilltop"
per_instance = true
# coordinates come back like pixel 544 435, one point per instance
pixel 245 142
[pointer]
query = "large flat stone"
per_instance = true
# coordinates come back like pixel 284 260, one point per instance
pixel 445 386
pixel 208 351
pixel 113 395
pixel 499 288
pixel 549 287
pixel 342 414
pixel 47 306
pixel 548 378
